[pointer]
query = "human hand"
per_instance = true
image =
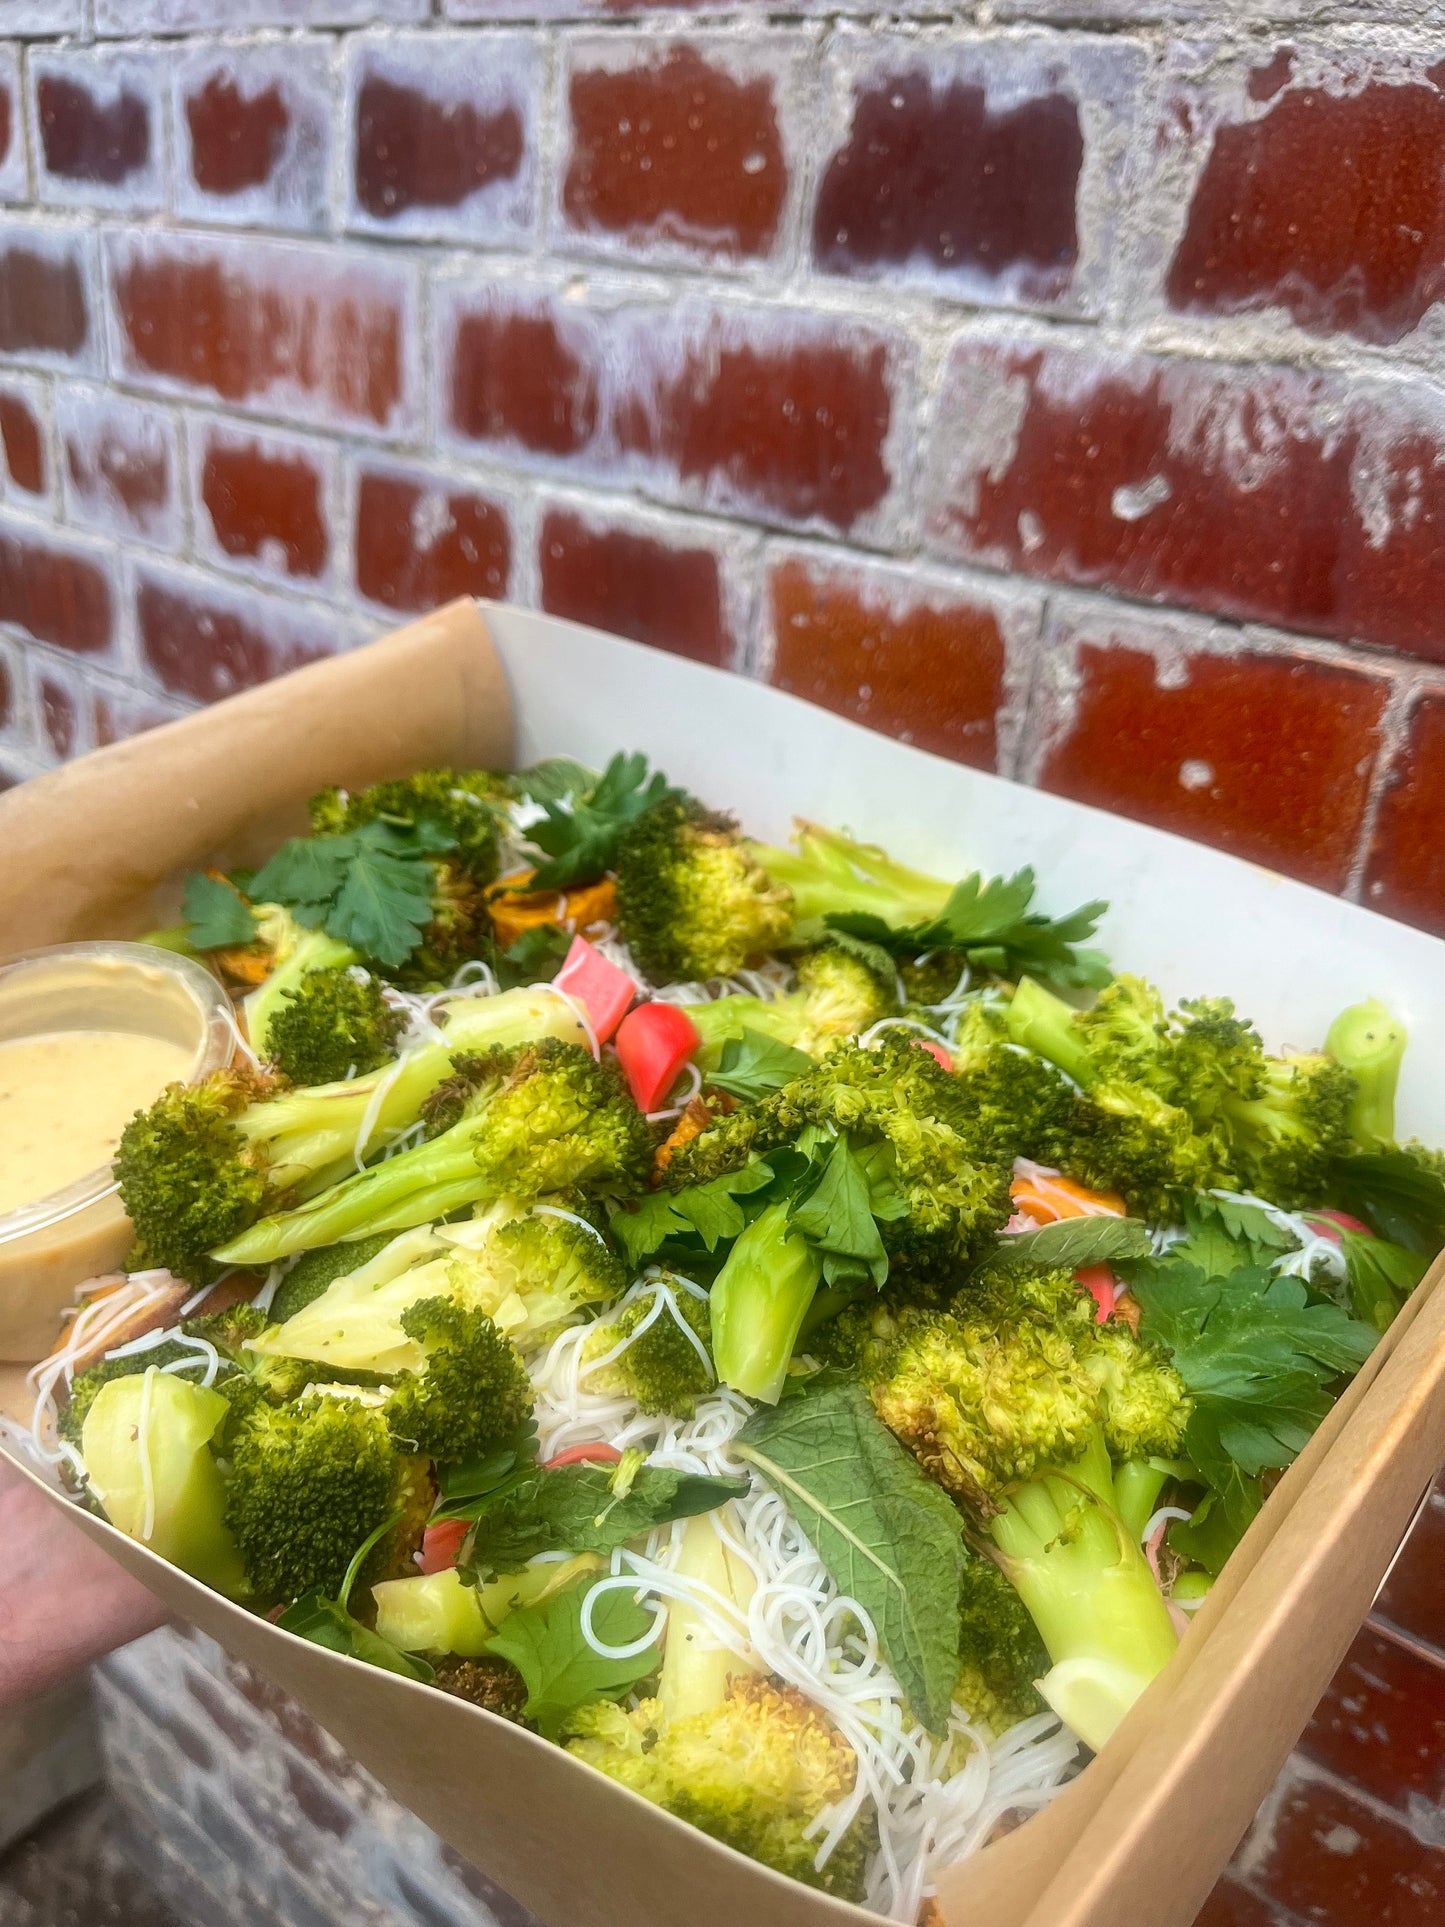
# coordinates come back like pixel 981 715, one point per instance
pixel 63 1603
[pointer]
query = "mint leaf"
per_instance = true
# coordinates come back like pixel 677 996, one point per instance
pixel 572 1508
pixel 754 1065
pixel 581 832
pixel 1071 1244
pixel 561 1671
pixel 326 1623
pixel 889 1537
pixel 216 914
pixel 553 779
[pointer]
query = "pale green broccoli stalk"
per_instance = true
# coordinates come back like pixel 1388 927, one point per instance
pixel 297 954
pixel 759 1301
pixel 831 875
pixel 543 1118
pixel 838 994
pixel 692 901
pixel 535 1270
pixel 471 1394
pixel 1370 1044
pixel 1089 1591
pixel 335 1025
pixel 642 1351
pixel 750 1763
pixel 310 1482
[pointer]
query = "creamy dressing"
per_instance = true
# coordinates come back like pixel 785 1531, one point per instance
pixel 65 1098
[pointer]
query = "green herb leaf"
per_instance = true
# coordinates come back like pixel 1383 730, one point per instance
pixel 1256 1356
pixel 890 1538
pixel 467 1489
pixel 991 923
pixel 836 1217
pixel 1381 1277
pixel 372 887
pixel 1396 1195
pixel 326 1623
pixel 216 914
pixel 1220 1521
pixel 580 833
pixel 561 1671
pixel 754 1065
pixel 553 779
pixel 1071 1244
pixel 1224 1234
pixel 707 1211
pixel 573 1508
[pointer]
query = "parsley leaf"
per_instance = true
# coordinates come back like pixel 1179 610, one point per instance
pixel 838 1215
pixel 573 1508
pixel 1223 1235
pixel 372 887
pixel 216 913
pixel 581 832
pixel 991 924
pixel 708 1211
pixel 891 1539
pixel 545 1644
pixel 754 1065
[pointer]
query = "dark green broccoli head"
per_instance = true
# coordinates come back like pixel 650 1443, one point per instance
pixel 1039 1292
pixel 1285 1140
pixel 662 1369
pixel 929 980
pixel 692 901
pixel 471 1395
pixel 1012 1104
pixel 315 1271
pixel 187 1178
pixel 562 1121
pixel 1000 1651
pixel 844 990
pixel 1214 1056
pixel 309 1483
pixel 336 1024
pixel 463 803
pixel 1125 1138
pixel 459 933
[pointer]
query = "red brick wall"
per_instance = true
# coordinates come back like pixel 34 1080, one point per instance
pixel 1064 398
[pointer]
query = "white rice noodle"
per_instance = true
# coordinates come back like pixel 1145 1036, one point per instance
pixel 866 1038
pixel 1314 1249
pixel 94 1323
pixel 694 1076
pixel 579 1011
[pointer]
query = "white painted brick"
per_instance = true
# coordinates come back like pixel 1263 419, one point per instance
pixel 97 128
pixel 115 17
pixel 119 465
pixel 14 174
pixel 253 133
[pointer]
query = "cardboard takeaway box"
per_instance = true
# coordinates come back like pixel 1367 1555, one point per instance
pixel 94 849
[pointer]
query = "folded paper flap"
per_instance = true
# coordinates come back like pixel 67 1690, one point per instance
pixel 94 848
pixel 494 1791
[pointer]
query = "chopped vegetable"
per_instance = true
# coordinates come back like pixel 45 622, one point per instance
pixel 654 1043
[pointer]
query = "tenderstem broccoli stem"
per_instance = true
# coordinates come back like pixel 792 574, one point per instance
pixel 1369 1042
pixel 1088 1589
pixel 830 874
pixel 314 951
pixel 759 1301
pixel 1044 1023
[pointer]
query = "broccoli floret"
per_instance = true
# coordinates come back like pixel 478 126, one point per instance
pixel 491 1683
pixel 1010 1103
pixel 315 1271
pixel 548 1118
pixel 662 1369
pixel 463 803
pixel 692 902
pixel 336 1024
pixel 1284 1141
pixel 309 1483
pixel 188 1178
pixel 294 955
pixel 1369 1043
pixel 830 874
pixel 754 1773
pixel 535 1271
pixel 999 1649
pixel 839 993
pixel 472 1393
pixel 1014 1419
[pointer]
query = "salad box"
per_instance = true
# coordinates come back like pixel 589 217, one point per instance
pixel 97 848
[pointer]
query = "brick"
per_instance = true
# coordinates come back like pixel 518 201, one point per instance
pixel 118 465
pixel 441 135
pixel 679 148
pixel 205 639
pixel 44 16
pixel 423 540
pixel 1313 186
pixel 189 16
pixel 1273 494
pixel 798 418
pixel 14 182
pixel 646 578
pixel 1323 1854
pixel 118 713
pixel 10 673
pixel 910 655
pixel 60 715
pixel 97 129
pixel 988 168
pixel 56 589
pixel 46 273
pixel 1405 873
pixel 1381 1725
pixel 1412 1600
pixel 1264 753
pixel 262 501
pixel 253 133
pixel 1231 1905
pixel 22 437
pixel 322 337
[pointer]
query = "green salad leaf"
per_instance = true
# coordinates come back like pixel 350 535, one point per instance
pixel 1381 1277
pixel 582 829
pixel 575 1508
pixel 561 1671
pixel 1071 1244
pixel 1399 1195
pixel 325 1622
pixel 890 1538
pixel 216 914
pixel 754 1065
pixel 708 1211
pixel 371 887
